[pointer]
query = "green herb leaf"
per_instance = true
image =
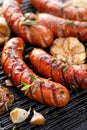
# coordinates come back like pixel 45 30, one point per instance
pixel 32 76
pixel 65 61
pixel 14 128
pixel 26 92
pixel 74 85
pixel 66 65
pixel 23 84
pixel 60 1
pixel 35 82
pixel 53 60
pixel 26 87
pixel 34 89
pixel 69 22
pixel 65 69
pixel 30 23
pixel 9 105
pixel 26 18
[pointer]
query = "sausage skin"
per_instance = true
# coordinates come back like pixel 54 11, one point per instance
pixel 48 92
pixel 55 8
pixel 49 67
pixel 64 27
pixel 37 35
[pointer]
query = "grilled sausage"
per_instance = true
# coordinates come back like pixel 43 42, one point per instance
pixel 35 34
pixel 64 28
pixel 55 8
pixel 47 91
pixel 6 99
pixel 59 71
pixel 61 27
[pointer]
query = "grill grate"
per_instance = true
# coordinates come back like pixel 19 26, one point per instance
pixel 71 117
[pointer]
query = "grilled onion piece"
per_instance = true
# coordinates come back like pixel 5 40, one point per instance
pixel 6 99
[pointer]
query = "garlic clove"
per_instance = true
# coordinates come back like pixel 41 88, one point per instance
pixel 8 82
pixel 29 111
pixel 18 115
pixel 37 119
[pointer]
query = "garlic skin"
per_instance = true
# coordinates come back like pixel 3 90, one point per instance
pixel 18 115
pixel 8 82
pixel 37 119
pixel 80 3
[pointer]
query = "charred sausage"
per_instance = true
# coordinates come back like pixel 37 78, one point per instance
pixel 59 71
pixel 63 27
pixel 35 34
pixel 47 91
pixel 55 8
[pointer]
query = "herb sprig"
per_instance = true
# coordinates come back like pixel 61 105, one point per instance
pixel 66 65
pixel 35 83
pixel 74 85
pixel 70 22
pixel 29 22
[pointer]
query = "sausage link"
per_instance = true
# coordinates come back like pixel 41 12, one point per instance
pixel 47 91
pixel 37 35
pixel 55 8
pixel 63 27
pixel 49 67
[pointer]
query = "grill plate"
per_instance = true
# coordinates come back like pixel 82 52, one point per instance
pixel 71 117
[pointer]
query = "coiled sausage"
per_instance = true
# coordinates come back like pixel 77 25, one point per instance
pixel 47 91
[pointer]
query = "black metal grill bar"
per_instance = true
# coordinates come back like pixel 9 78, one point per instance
pixel 71 116
pixel 79 105
pixel 65 119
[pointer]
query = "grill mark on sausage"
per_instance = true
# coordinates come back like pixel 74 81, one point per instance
pixel 36 35
pixel 56 8
pixel 44 92
pixel 54 96
pixel 45 58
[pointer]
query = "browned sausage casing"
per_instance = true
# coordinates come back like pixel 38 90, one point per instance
pixel 63 27
pixel 49 67
pixel 55 8
pixel 48 92
pixel 37 35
